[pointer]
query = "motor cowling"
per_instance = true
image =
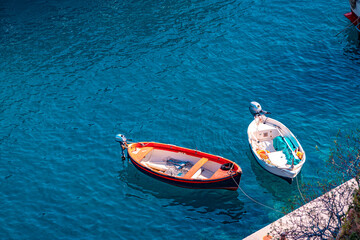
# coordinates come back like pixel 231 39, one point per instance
pixel 255 108
pixel 120 138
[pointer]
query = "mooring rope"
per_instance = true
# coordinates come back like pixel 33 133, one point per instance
pixel 252 199
pixel 297 183
pixel 351 23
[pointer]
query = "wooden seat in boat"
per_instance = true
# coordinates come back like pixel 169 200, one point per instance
pixel 138 156
pixel 220 174
pixel 196 167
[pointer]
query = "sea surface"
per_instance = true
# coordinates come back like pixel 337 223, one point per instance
pixel 73 74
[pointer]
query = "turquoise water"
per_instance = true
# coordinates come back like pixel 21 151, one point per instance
pixel 75 73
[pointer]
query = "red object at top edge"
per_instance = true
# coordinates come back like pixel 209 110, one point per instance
pixel 352 17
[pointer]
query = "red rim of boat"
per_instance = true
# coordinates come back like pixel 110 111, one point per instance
pixel 229 182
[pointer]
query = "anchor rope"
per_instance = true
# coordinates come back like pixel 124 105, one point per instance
pixel 351 23
pixel 297 183
pixel 252 199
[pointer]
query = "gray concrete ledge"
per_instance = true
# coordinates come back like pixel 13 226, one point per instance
pixel 301 215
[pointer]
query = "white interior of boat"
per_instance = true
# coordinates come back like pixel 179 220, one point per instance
pixel 178 164
pixel 261 136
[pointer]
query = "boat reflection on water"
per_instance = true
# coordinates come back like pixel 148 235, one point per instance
pixel 277 187
pixel 352 47
pixel 224 205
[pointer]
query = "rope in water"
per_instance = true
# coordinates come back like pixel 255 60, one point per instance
pixel 297 183
pixel 347 26
pixel 254 199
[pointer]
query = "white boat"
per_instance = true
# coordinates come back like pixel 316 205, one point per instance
pixel 274 146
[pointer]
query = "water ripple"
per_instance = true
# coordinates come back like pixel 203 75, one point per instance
pixel 74 74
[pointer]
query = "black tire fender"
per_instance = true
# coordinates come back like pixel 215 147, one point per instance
pixel 227 166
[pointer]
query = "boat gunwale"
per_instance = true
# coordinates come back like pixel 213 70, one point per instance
pixel 190 152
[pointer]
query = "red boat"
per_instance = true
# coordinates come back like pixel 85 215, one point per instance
pixel 183 167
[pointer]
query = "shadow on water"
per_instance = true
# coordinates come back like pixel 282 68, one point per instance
pixel 203 201
pixel 275 185
pixel 352 48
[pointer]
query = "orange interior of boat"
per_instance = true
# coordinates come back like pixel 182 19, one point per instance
pixel 219 174
pixel 141 154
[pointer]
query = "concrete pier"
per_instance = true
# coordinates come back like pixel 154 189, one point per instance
pixel 301 215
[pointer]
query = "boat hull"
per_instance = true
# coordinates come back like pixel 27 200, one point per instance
pixel 231 182
pixel 285 173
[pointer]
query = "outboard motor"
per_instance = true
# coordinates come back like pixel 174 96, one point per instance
pixel 122 140
pixel 256 110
